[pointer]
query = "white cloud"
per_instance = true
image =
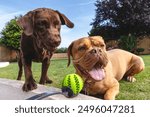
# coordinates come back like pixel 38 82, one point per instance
pixel 7 17
pixel 81 29
pixel 86 3
pixel 6 14
pixel 81 21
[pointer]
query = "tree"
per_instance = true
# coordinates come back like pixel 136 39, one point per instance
pixel 61 50
pixel 121 17
pixel 11 35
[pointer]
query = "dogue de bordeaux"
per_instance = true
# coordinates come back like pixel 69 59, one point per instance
pixel 100 69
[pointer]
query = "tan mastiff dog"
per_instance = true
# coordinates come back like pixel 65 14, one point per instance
pixel 100 69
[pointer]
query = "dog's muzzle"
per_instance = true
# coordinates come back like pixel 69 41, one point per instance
pixel 90 65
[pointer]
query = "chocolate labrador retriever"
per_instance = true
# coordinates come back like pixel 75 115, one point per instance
pixel 40 37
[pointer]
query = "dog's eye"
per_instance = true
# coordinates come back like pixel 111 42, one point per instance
pixel 42 24
pixel 56 23
pixel 102 45
pixel 81 48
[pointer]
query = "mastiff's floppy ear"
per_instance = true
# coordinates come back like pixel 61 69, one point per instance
pixel 26 23
pixel 69 52
pixel 65 20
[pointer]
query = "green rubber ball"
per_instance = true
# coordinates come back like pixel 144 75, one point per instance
pixel 74 82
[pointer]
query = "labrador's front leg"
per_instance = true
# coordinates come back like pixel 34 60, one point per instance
pixel 44 77
pixel 30 83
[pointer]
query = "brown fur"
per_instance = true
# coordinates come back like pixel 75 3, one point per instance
pixel 116 63
pixel 40 37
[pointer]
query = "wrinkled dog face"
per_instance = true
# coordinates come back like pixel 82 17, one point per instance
pixel 45 24
pixel 90 54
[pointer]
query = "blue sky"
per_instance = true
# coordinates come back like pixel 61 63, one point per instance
pixel 80 12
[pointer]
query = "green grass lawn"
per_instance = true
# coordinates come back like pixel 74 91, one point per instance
pixel 139 90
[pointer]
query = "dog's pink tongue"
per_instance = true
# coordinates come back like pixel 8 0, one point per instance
pixel 97 74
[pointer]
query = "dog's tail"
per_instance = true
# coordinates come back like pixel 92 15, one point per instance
pixel 69 52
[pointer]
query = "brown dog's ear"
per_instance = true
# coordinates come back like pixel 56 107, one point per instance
pixel 69 53
pixel 65 20
pixel 26 23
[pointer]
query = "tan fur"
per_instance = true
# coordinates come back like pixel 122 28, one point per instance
pixel 118 64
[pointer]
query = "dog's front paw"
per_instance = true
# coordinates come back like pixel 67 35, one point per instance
pixel 30 85
pixel 47 80
pixel 131 79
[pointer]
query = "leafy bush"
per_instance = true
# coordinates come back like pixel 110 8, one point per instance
pixel 128 43
pixel 139 50
pixel 11 35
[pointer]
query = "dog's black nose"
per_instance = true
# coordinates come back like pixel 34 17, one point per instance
pixel 57 43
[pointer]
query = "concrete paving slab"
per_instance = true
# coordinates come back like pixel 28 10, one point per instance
pixel 12 90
